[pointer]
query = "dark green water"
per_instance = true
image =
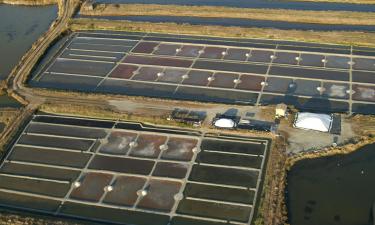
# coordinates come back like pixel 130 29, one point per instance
pixel 337 190
pixel 20 27
pixel 7 101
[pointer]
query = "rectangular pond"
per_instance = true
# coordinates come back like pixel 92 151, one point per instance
pixel 234 71
pixel 117 172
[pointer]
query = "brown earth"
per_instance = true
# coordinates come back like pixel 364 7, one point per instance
pixel 295 16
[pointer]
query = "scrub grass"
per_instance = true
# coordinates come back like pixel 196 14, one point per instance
pixel 270 210
pixel 10 217
pixel 107 113
pixel 351 146
pixel 339 1
pixel 29 2
pixel 9 118
pixel 332 37
pixel 295 16
pixel 364 125
pixel 94 111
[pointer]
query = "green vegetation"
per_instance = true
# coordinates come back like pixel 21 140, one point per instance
pixel 333 37
pixel 296 16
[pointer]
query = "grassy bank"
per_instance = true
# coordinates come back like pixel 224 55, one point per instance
pixel 295 16
pixel 333 37
pixel 354 144
pixel 29 2
pixel 7 119
pixel 339 1
pixel 106 113
pixel 11 217
pixel 8 116
pixel 156 118
pixel 269 209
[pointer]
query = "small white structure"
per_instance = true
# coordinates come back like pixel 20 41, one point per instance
pixel 280 110
pixel 313 121
pixel 224 123
pixel 142 193
pixel 76 184
pixel 108 188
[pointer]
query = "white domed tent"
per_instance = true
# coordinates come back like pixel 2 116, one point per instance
pixel 313 121
pixel 224 123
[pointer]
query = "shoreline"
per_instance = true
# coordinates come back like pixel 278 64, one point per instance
pixel 345 149
pixel 331 151
pixel 292 16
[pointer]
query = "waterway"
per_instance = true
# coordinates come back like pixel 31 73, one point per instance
pixel 272 4
pixel 238 23
pixel 336 190
pixel 20 27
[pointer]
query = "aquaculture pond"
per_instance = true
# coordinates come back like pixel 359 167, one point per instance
pixel 212 70
pixel 333 190
pixel 20 27
pixel 145 176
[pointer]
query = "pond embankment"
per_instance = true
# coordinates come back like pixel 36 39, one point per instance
pixel 29 2
pixel 355 38
pixel 293 16
pixel 370 2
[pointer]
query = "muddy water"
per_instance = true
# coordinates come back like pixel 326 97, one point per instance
pixel 337 190
pixel 20 27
